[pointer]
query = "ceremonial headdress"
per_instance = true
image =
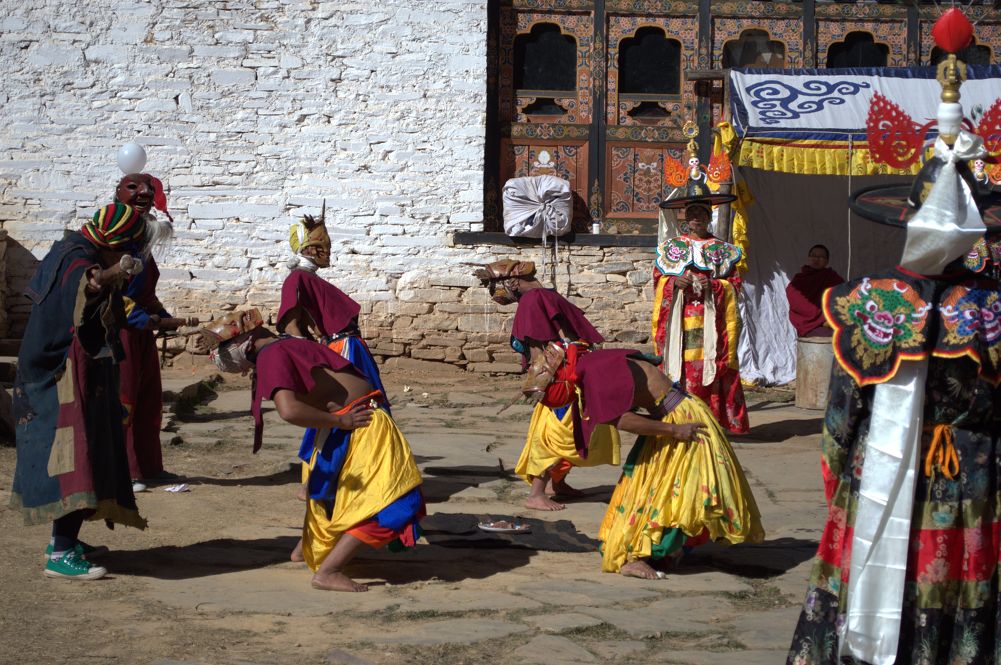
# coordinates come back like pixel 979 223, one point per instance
pixel 692 182
pixel 500 277
pixel 220 334
pixel 309 232
pixel 115 226
pixel 945 209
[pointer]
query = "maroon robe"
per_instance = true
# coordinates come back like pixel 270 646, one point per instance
pixel 330 308
pixel 805 292
pixel 287 363
pixel 607 389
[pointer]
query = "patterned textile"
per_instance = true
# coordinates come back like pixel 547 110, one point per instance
pixel 951 611
pixel 68 418
pixel 724 393
pixel 551 441
pixel 668 486
pixel 115 226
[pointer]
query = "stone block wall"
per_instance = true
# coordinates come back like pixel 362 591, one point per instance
pixel 255 111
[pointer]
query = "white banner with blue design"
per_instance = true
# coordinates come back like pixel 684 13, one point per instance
pixel 832 104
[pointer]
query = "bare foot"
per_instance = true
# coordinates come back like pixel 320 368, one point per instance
pixel 297 553
pixel 562 489
pixel 536 502
pixel 641 569
pixel 337 582
pixel 302 495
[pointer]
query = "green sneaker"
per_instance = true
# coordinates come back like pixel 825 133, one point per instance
pixel 82 548
pixel 72 566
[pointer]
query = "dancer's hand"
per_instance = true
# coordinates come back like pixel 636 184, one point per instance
pixel 357 416
pixel 687 431
pixel 681 282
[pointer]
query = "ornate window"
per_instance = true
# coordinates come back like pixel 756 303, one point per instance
pixel 754 48
pixel 858 49
pixel 545 60
pixel 649 72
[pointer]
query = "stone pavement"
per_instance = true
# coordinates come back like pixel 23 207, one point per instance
pixel 461 603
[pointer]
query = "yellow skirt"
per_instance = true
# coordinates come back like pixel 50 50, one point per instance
pixel 379 468
pixel 691 486
pixel 551 440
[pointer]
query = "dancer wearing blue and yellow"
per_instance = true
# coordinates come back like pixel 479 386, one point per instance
pixel 364 486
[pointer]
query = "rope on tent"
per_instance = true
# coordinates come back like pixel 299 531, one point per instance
pixel 851 148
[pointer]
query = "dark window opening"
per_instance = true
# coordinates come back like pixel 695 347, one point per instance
pixel 545 59
pixel 649 110
pixel 971 55
pixel 544 106
pixel 649 64
pixel 858 49
pixel 754 48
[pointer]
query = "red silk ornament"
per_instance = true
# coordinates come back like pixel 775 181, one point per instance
pixel 952 31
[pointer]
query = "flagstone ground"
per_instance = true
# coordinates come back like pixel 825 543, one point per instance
pixel 210 581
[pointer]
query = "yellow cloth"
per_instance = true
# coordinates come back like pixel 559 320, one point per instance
pixel 669 484
pixel 379 468
pixel 814 158
pixel 551 439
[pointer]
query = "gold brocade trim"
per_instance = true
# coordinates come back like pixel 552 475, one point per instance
pixel 106 509
pixel 831 159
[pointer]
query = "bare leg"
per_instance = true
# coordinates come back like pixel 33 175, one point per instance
pixel 297 553
pixel 329 576
pixel 640 568
pixel 301 493
pixel 537 499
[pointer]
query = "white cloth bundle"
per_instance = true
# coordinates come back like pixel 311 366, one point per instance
pixel 537 207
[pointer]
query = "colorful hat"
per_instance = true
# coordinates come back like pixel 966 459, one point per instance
pixel 115 226
pixel 697 193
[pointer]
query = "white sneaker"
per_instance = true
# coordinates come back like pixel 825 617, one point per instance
pixel 138 486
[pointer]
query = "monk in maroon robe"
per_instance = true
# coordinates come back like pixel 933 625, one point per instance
pixel 806 290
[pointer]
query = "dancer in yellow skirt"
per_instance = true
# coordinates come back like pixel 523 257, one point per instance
pixel 364 486
pixel 681 480
pixel 675 493
pixel 544 317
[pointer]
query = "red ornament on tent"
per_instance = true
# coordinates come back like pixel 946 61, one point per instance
pixel 894 138
pixel 952 31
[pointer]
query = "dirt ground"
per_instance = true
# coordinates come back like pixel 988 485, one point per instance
pixel 210 581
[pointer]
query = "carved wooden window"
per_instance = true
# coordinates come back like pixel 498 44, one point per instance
pixel 858 49
pixel 754 48
pixel 545 60
pixel 971 55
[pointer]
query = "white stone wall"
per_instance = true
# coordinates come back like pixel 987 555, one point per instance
pixel 252 112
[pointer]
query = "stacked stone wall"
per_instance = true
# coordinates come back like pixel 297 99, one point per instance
pixel 253 113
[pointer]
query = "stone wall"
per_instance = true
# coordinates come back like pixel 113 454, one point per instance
pixel 252 113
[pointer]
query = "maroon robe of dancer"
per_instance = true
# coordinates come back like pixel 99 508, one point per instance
pixel 607 389
pixel 331 309
pixel 805 292
pixel 288 364
pixel 140 390
pixel 542 313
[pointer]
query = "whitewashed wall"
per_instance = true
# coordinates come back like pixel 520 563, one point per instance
pixel 254 111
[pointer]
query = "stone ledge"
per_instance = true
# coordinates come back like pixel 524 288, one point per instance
pixel 579 239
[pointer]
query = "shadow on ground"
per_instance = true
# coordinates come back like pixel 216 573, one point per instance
pixel 763 560
pixel 780 431
pixel 227 555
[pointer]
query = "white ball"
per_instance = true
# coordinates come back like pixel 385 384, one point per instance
pixel 131 158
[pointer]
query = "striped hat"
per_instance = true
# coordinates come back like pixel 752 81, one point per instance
pixel 114 226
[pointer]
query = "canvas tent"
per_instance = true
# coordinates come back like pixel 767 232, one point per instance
pixel 802 149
